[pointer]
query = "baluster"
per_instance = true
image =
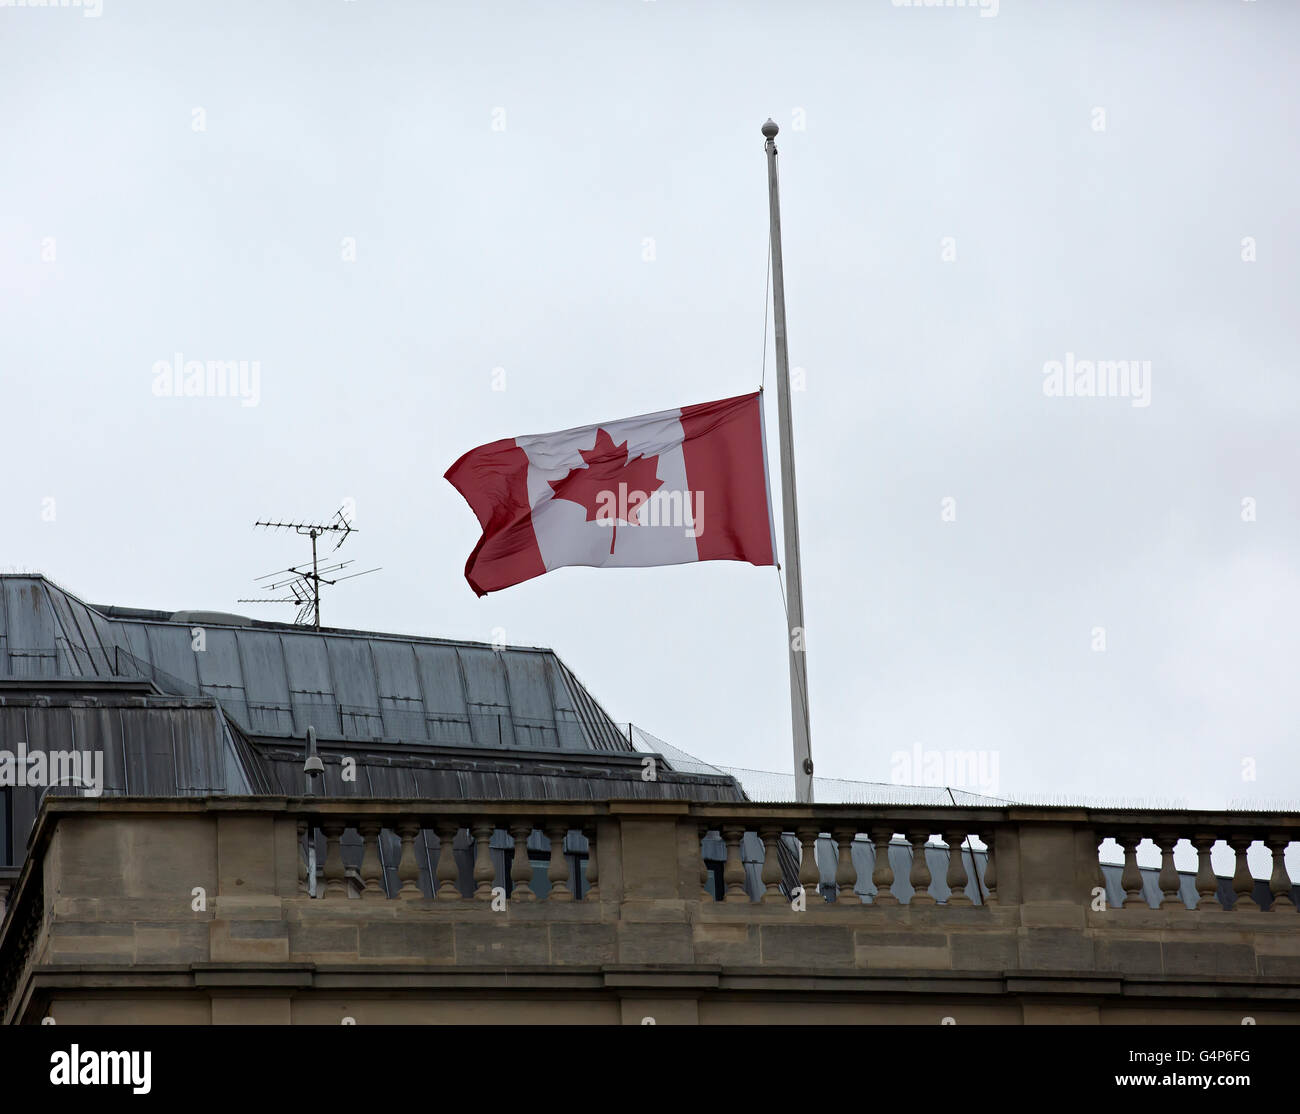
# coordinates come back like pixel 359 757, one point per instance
pixel 733 871
pixel 846 874
pixel 990 887
pixel 336 885
pixel 1279 884
pixel 558 871
pixel 593 867
pixel 521 870
pixel 771 865
pixel 372 872
pixel 408 865
pixel 920 873
pixel 809 873
pixel 1169 882
pixel 448 874
pixel 956 877
pixel 882 873
pixel 484 874
pixel 1207 884
pixel 706 891
pixel 1130 879
pixel 1243 882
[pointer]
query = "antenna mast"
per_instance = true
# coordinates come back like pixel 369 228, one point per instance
pixel 302 584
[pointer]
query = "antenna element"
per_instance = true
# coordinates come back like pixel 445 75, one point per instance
pixel 302 584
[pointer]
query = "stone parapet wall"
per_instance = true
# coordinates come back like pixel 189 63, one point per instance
pixel 201 911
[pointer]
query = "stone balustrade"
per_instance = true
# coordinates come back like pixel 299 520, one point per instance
pixel 449 858
pixel 601 911
pixel 1202 889
pixel 762 857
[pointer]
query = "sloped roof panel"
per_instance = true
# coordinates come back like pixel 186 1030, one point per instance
pixel 353 670
pixel 218 664
pixel 311 690
pixel 531 704
pixel 132 649
pixel 79 627
pixel 107 634
pixel 440 679
pixel 401 703
pixel 29 634
pixel 487 696
pixel 307 665
pixel 260 658
pixel 170 652
pixel 443 686
pixel 485 681
pixel 395 667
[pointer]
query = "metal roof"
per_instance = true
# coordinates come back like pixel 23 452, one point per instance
pixel 171 713
pixel 273 680
pixel 149 746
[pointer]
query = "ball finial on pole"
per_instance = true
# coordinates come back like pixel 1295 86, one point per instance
pixel 770 129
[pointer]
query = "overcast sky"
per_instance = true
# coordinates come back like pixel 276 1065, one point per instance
pixel 381 203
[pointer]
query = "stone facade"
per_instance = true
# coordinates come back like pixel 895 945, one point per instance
pixel 197 911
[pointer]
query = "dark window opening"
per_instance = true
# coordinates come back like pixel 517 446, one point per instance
pixel 716 886
pixel 6 842
pixel 578 884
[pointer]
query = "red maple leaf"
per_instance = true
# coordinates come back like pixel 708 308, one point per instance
pixel 597 486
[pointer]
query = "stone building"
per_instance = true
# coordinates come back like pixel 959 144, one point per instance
pixel 487 845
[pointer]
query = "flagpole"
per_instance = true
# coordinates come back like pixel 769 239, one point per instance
pixel 803 765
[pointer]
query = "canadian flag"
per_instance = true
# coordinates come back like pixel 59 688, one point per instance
pixel 662 489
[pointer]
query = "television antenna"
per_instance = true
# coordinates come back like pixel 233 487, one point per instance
pixel 303 584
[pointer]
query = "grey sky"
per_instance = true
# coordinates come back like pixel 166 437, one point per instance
pixel 523 249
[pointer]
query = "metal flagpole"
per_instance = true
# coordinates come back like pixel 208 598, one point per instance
pixel 803 765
